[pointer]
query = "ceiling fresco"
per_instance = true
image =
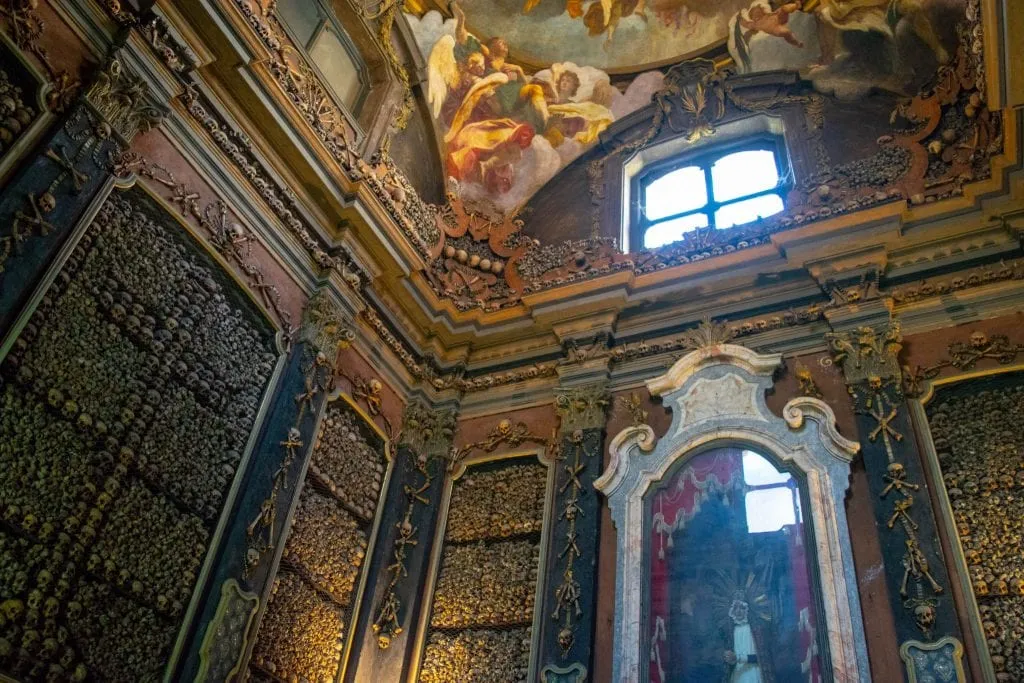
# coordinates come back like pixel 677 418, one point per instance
pixel 507 128
pixel 505 131
pixel 614 35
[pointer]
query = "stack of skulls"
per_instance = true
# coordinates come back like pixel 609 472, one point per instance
pixel 497 504
pixel 486 585
pixel 347 464
pixel 327 543
pixel 477 657
pixel 301 635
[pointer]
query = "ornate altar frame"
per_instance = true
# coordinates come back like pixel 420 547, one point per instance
pixel 717 397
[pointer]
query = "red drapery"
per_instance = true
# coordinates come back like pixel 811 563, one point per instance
pixel 673 506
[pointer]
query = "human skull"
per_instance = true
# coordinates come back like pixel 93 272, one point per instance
pixel 51 607
pixel 980 588
pixel 35 599
pixel 70 410
pixel 46 202
pixel 565 639
pixel 991 630
pixel 924 615
pixel 12 609
pixel 43 579
pixel 979 339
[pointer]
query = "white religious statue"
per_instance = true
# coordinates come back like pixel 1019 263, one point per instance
pixel 743 655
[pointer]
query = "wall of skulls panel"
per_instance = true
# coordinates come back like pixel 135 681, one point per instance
pixel 976 428
pixel 125 407
pixel 303 634
pixel 483 603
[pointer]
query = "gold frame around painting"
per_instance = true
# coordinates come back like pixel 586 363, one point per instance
pixel 437 549
pixel 944 509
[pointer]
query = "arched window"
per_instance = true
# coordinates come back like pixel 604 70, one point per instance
pixel 718 187
pixel 315 28
pixel 731 584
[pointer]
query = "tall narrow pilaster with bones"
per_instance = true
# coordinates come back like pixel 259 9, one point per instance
pixel 385 634
pixel 926 621
pixel 236 593
pixel 568 608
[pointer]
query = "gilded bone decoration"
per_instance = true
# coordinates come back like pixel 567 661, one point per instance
pixel 229 238
pixel 25 27
pixel 427 433
pixel 325 332
pixel 869 360
pixel 963 356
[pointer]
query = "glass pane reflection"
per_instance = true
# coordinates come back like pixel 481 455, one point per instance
pixel 730 592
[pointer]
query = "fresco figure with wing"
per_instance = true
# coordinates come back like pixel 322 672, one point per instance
pixel 490 110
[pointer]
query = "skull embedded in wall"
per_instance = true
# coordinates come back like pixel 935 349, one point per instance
pixel 924 615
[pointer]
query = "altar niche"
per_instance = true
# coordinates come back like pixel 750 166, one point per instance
pixel 733 558
pixel 731 593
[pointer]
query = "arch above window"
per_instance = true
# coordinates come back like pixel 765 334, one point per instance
pixel 723 446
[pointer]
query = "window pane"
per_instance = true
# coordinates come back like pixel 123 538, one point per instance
pixel 337 66
pixel 680 191
pixel 302 18
pixel 769 509
pixel 758 471
pixel 748 210
pixel 672 231
pixel 743 173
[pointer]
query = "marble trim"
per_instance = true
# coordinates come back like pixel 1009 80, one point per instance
pixel 734 379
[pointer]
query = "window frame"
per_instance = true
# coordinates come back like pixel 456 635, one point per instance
pixel 704 158
pixel 327 14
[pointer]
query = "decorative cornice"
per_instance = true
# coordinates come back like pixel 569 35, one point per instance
pixel 280 198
